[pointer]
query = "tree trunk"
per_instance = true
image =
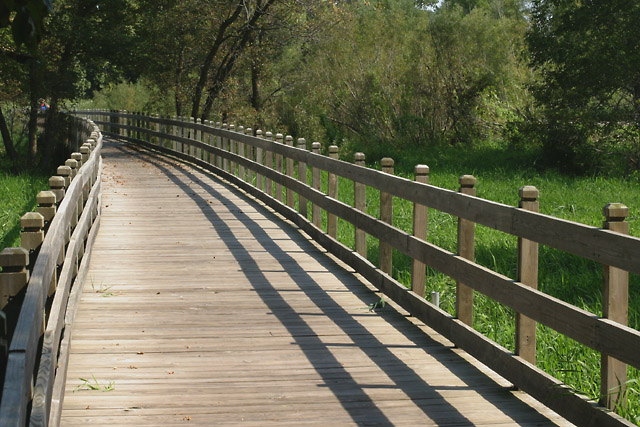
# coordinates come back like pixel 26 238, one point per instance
pixel 255 86
pixel 204 71
pixel 9 148
pixel 34 106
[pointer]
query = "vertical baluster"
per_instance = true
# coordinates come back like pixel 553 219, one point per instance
pixel 528 275
pixel 278 168
pixel 615 306
pixel 418 269
pixel 247 151
pixel 359 202
pixel 466 249
pixel 231 148
pixel 289 164
pixel 332 191
pixel 302 177
pixel 268 157
pixel 386 215
pixel 240 152
pixel 316 182
pixel 260 161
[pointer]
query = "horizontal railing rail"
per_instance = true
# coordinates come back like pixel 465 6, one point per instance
pixel 265 163
pixel 36 361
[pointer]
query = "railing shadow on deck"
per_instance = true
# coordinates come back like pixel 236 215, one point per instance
pixel 318 352
pixel 251 162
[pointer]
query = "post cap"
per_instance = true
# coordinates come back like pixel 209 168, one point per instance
pixel 32 220
pixel 241 129
pixel 56 181
pixel 268 135
pixel 232 127
pixel 615 211
pixel 467 181
pixel 288 138
pixel 316 146
pixel 421 170
pixel 73 164
pixel 359 157
pixel 248 131
pixel 333 149
pixel 76 156
pixel 14 257
pixel 46 197
pixel 302 143
pixel 259 133
pixel 85 150
pixel 528 192
pixel 64 171
pixel 387 162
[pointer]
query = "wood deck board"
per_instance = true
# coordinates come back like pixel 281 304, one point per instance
pixel 204 307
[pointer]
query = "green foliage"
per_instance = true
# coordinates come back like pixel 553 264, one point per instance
pixel 26 19
pixel 589 57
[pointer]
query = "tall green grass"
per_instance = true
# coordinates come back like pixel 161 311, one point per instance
pixel 500 173
pixel 17 196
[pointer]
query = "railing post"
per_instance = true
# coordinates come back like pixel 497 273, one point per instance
pixel 231 149
pixel 316 181
pixel 240 152
pixel 360 203
pixel 57 187
pixel 46 206
pixel 268 157
pixel 332 191
pixel 123 123
pixel 466 249
pixel 217 142
pixel 260 161
pixel 223 146
pixel 527 275
pixel 78 158
pixel 289 164
pixel 278 167
pixel 615 306
pixel 198 137
pixel 248 153
pixel 32 234
pixel 13 277
pixel 386 215
pixel 418 269
pixel 174 131
pixel 302 177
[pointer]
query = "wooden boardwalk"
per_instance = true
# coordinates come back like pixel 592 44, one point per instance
pixel 202 306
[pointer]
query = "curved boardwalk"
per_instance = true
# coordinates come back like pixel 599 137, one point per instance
pixel 202 306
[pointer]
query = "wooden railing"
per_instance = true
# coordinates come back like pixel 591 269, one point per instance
pixel 265 162
pixel 37 284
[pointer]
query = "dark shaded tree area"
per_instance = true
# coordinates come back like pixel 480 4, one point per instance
pixel 588 56
pixel 560 75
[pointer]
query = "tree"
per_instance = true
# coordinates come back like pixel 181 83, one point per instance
pixel 588 54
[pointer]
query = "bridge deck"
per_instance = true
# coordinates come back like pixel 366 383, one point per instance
pixel 202 306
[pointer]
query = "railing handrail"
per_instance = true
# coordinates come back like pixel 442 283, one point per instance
pixel 593 243
pixel 604 246
pixel 76 213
